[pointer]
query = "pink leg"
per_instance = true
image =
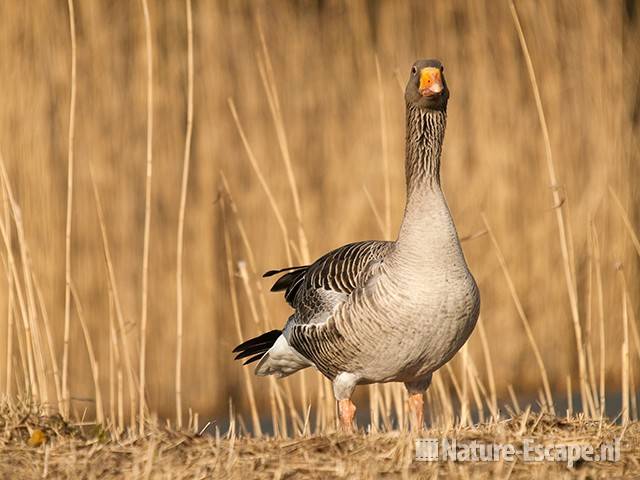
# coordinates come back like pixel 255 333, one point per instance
pixel 347 412
pixel 416 407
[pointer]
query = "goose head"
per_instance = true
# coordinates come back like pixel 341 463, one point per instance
pixel 427 88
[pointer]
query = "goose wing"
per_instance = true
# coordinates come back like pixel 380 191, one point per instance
pixel 315 290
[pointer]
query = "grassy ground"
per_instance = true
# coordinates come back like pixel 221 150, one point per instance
pixel 35 446
pixel 274 134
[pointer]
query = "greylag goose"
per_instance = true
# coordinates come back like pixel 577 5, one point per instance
pixel 383 311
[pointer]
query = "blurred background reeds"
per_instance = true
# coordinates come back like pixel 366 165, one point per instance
pixel 297 148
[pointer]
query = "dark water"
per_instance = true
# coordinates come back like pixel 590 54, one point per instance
pixel 613 408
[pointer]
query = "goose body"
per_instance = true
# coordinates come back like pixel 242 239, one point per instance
pixel 379 311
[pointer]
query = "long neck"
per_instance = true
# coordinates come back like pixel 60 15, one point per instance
pixel 427 220
pixel 425 134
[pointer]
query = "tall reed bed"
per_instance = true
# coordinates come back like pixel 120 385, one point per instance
pixel 207 143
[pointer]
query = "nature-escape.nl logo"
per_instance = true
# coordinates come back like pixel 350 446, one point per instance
pixel 446 449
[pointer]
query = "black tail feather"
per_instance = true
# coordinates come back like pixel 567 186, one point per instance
pixel 257 345
pixel 268 337
pixel 271 273
pixel 255 358
pixel 288 279
pixel 263 347
pixel 290 282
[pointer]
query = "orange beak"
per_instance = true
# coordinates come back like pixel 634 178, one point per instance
pixel 430 81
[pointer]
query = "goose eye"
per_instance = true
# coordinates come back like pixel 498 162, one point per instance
pixel 414 70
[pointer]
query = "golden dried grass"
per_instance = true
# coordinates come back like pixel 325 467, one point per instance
pixel 37 446
pixel 285 102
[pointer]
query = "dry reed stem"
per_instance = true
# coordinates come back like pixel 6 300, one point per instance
pixel 7 228
pixel 32 386
pixel 248 251
pixel 399 400
pixel 465 409
pixel 489 368
pixel 183 203
pixel 374 209
pixel 624 353
pixel 261 179
pixel 244 276
pixel 630 322
pixel 273 405
pixel 374 407
pixel 236 316
pixel 521 314
pixel 602 345
pixel 240 226
pixel 274 390
pixel 485 395
pixel 147 216
pixel 326 406
pixel 22 392
pixel 93 362
pixel 15 372
pixel 116 299
pixel 70 161
pixel 634 401
pixel 29 312
pixel 569 398
pixel 385 406
pixel 445 399
pixel 296 418
pixel 589 331
pixel 470 376
pixel 53 358
pixel 282 427
pixel 24 342
pixel 9 357
pixel 32 314
pixel 558 203
pixel 275 393
pixel 514 399
pixel 625 219
pixel 112 374
pixel 566 204
pixel 113 340
pixel 268 80
pixel 468 365
pixel 9 331
pixel 40 364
